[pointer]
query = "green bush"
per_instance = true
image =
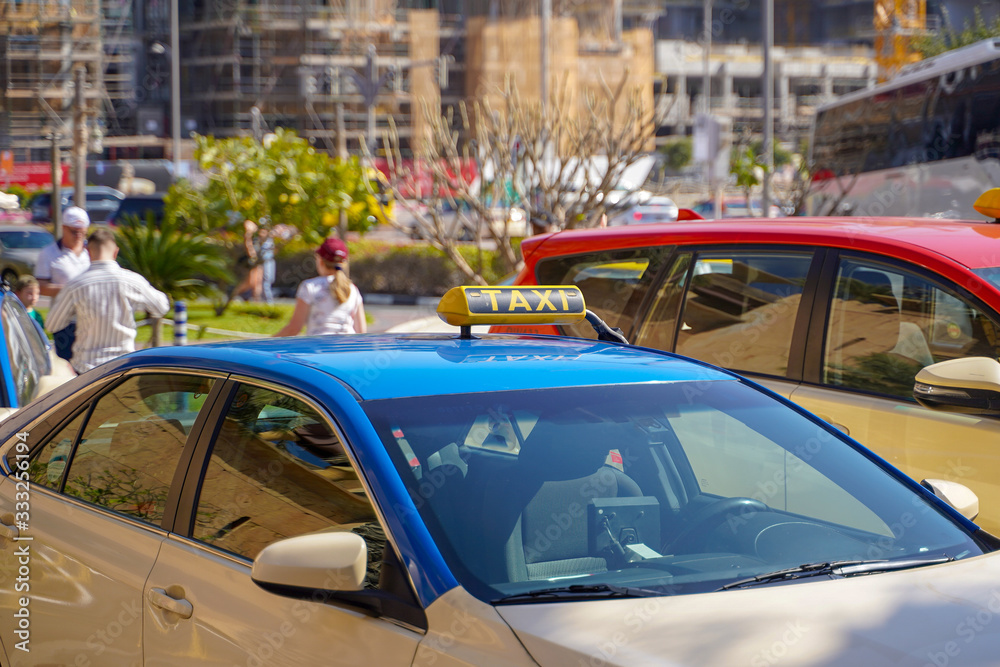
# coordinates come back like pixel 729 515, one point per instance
pixel 381 267
pixel 22 195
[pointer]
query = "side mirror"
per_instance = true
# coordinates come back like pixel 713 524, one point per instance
pixel 970 385
pixel 959 496
pixel 332 561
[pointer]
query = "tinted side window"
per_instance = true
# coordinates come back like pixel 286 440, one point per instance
pixel 277 470
pixel 614 282
pixel 133 440
pixel 740 309
pixel 886 324
pixel 660 326
pixel 49 462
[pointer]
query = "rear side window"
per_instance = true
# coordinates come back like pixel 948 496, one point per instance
pixel 740 309
pixel 614 282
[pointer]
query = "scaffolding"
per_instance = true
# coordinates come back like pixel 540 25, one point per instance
pixel 300 65
pixel 41 44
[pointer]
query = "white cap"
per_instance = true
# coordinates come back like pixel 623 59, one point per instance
pixel 75 216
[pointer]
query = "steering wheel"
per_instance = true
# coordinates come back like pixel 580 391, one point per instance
pixel 711 516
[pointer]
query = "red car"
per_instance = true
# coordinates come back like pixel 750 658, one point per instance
pixel 837 314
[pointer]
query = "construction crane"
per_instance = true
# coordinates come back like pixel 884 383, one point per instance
pixel 897 22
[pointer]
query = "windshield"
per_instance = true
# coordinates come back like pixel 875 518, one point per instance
pixel 27 239
pixel 990 275
pixel 676 487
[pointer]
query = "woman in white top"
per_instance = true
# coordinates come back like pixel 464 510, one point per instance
pixel 329 303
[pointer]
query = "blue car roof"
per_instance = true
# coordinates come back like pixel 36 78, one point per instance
pixel 395 366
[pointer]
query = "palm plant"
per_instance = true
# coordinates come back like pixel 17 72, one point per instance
pixel 183 262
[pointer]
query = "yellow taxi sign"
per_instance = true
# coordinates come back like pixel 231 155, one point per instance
pixel 989 203
pixel 545 304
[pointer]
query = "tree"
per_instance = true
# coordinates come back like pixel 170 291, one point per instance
pixel 743 163
pixel 948 38
pixel 746 162
pixel 181 262
pixel 480 164
pixel 282 179
pixel 677 154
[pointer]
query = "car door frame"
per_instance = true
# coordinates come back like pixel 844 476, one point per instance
pixel 815 339
pixel 182 523
pixel 799 348
pixel 82 403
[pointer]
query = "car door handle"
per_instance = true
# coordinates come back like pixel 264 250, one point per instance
pixel 159 597
pixel 840 427
pixel 9 532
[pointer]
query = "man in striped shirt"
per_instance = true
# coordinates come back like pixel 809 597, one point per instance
pixel 103 300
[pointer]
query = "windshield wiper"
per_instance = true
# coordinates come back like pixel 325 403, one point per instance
pixel 840 568
pixel 577 591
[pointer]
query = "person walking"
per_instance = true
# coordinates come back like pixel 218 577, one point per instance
pixel 267 263
pixel 60 262
pixel 251 260
pixel 66 258
pixel 103 300
pixel 329 303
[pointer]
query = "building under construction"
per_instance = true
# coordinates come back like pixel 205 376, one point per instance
pixel 42 46
pixel 333 71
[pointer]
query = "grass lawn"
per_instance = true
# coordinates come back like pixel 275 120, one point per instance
pixel 252 318
pixel 249 318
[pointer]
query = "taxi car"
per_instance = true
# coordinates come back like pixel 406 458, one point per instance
pixel 837 314
pixel 463 500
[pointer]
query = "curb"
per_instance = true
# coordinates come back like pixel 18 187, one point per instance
pixel 399 300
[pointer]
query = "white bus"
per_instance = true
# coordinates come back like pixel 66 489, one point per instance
pixel 926 143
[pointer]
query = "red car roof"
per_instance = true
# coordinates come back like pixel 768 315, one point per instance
pixel 969 243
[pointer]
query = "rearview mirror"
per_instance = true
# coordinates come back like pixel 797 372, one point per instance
pixel 970 385
pixel 331 561
pixel 959 496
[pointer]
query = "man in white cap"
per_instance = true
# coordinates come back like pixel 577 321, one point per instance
pixel 60 262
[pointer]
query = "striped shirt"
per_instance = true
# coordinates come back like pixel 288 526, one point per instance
pixel 103 300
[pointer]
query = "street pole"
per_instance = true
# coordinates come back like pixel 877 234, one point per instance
pixel 706 96
pixel 175 86
pixel 79 139
pixel 544 64
pixel 370 139
pixel 55 198
pixel 341 155
pixel 768 106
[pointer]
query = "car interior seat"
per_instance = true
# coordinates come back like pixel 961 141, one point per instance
pixel 898 337
pixel 536 521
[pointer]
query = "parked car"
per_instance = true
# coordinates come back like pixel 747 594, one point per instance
pixel 658 209
pixel 736 207
pixel 139 207
pixel 19 249
pixel 101 202
pixel 441 499
pixel 837 314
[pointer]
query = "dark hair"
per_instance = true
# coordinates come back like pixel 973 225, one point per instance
pixel 24 282
pixel 103 237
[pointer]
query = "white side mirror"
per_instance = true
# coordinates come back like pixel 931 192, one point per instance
pixel 332 561
pixel 959 496
pixel 969 385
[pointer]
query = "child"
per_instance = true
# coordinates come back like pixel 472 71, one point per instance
pixel 26 289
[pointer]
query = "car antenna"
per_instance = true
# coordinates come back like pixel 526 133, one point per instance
pixel 604 332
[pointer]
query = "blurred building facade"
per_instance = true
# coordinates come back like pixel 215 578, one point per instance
pixel 247 66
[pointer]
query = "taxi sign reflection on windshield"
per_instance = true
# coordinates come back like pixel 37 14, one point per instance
pixel 546 304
